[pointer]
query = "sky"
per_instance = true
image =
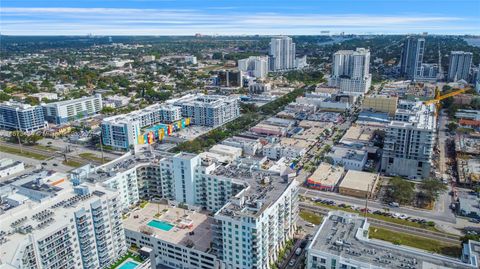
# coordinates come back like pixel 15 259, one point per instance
pixel 239 17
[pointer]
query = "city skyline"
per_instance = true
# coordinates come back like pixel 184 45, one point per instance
pixel 232 18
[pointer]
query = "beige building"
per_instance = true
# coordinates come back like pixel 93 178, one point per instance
pixel 358 184
pixel 381 103
pixel 325 177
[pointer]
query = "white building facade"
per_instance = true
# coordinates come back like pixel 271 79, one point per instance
pixel 255 66
pixel 64 111
pixel 76 228
pixel 351 71
pixel 409 141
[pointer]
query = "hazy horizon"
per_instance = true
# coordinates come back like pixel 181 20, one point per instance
pixel 233 18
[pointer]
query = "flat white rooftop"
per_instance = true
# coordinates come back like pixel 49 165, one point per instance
pixel 187 228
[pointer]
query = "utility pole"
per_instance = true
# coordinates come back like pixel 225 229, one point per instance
pixel 366 201
pixel 101 147
pixel 19 141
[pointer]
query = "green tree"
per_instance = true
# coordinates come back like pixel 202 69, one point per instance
pixel 400 190
pixel 107 110
pixel 33 139
pixel 430 190
pixel 452 126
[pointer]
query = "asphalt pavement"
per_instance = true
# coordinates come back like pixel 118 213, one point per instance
pixel 376 205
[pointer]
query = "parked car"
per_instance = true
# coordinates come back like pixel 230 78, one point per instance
pixel 292 262
pixel 472 220
pixel 298 251
pixel 394 204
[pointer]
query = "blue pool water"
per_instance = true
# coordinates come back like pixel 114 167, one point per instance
pixel 160 225
pixel 128 265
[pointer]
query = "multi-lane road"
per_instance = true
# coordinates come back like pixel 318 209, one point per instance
pixel 53 153
pixel 447 216
pixel 444 237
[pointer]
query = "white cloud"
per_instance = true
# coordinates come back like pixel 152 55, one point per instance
pixel 118 21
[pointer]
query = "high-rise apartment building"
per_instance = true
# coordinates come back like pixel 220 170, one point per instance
pixel 255 66
pixel 351 70
pixel 230 78
pixel 51 224
pixel 69 110
pixel 21 117
pixel 342 242
pixel 239 215
pixel 428 73
pixel 409 141
pixel 122 131
pixel 459 65
pixel 412 57
pixel 208 110
pixel 282 53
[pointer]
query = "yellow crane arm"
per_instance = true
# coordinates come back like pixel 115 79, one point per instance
pixel 440 98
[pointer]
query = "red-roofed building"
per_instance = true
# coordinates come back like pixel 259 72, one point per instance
pixel 475 124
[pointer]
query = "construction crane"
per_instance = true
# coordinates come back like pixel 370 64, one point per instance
pixel 439 97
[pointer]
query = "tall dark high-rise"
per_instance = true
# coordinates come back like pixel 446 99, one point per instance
pixel 412 57
pixel 459 65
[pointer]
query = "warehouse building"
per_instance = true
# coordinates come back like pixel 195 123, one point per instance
pixel 359 184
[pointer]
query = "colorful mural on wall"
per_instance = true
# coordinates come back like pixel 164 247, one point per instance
pixel 159 131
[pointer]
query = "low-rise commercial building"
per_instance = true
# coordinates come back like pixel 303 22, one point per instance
pixel 358 136
pixel 116 101
pixel 381 103
pixel 289 148
pixel 359 184
pixel 45 95
pixel 349 158
pixel 9 167
pixel 266 129
pixel 325 177
pixel 230 152
pixel 249 146
pixel 468 114
pixel 342 241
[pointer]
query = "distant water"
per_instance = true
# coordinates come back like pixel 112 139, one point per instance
pixel 334 40
pixel 473 41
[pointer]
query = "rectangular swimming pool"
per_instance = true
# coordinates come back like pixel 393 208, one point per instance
pixel 129 265
pixel 162 225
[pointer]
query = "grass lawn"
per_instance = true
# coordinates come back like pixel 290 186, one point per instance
pixel 384 218
pixel 25 153
pixel 310 217
pixel 42 147
pixel 92 157
pixel 416 241
pixel 125 257
pixel 143 204
pixel 72 163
